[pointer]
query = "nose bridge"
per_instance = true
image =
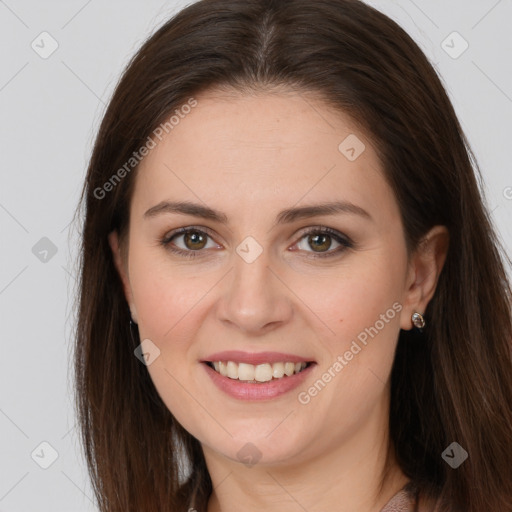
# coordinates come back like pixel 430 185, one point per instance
pixel 254 297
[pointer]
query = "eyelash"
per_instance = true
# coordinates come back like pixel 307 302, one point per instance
pixel 346 242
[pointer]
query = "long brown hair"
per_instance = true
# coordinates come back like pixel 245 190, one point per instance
pixel 453 382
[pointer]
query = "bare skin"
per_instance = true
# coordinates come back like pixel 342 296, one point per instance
pixel 251 157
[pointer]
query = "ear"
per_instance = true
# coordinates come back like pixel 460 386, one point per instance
pixel 423 273
pixel 121 266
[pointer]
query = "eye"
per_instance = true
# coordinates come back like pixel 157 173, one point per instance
pixel 193 240
pixel 320 239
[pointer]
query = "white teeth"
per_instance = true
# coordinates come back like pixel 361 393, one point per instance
pixel 259 373
pixel 232 370
pixel 278 370
pixel 289 369
pixel 263 372
pixel 245 371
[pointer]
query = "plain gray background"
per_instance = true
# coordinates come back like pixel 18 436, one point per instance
pixel 50 109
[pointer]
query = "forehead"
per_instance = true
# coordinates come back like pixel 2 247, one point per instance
pixel 240 126
pixel 260 149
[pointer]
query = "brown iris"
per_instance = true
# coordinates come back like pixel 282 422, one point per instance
pixel 194 240
pixel 319 241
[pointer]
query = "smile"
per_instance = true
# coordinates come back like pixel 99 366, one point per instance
pixel 242 383
pixel 257 373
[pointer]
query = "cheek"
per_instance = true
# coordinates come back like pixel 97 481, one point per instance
pixel 355 297
pixel 364 313
pixel 166 296
pixel 167 307
pixel 362 307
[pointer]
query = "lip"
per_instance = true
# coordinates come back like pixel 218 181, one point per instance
pixel 239 356
pixel 258 391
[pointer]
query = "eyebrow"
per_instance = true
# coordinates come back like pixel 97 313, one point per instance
pixel 286 216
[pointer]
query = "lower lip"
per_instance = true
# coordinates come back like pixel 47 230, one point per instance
pixel 257 391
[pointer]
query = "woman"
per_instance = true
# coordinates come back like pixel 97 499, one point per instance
pixel 292 296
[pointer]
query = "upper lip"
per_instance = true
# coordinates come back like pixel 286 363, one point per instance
pixel 254 358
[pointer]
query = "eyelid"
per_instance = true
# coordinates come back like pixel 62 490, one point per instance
pixel 325 229
pixel 184 230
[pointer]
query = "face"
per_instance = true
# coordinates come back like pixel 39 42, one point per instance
pixel 328 288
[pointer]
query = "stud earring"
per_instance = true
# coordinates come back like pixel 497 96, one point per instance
pixel 418 320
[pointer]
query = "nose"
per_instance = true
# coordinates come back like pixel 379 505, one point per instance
pixel 254 299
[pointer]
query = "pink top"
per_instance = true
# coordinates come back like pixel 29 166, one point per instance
pixel 404 500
